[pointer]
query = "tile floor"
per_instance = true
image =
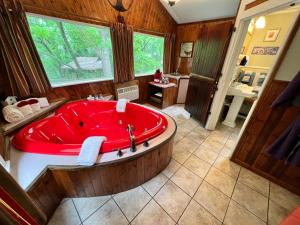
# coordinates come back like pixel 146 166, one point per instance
pixel 200 186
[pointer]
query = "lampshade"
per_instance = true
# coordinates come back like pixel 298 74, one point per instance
pixel 260 23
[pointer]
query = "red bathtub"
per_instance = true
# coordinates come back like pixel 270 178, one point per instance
pixel 63 133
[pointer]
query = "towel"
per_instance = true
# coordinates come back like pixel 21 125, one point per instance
pixel 285 99
pixel 121 105
pixel 90 150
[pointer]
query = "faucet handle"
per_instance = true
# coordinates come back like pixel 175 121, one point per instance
pixel 130 127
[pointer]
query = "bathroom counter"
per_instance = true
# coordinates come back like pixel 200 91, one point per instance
pixel 177 77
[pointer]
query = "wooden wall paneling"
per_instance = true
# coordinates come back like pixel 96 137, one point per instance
pixel 191 32
pixel 144 14
pixel 47 194
pixel 266 125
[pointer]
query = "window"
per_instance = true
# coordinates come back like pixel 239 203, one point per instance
pixel 72 53
pixel 148 53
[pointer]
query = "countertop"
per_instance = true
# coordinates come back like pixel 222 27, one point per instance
pixel 177 77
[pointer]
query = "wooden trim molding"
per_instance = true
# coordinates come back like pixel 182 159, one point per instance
pixel 254 4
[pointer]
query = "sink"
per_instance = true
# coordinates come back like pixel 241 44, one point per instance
pixel 242 90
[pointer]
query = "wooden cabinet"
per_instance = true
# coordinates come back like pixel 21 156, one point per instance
pixel 162 95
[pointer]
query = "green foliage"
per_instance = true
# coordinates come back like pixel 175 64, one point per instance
pixel 83 41
pixel 148 53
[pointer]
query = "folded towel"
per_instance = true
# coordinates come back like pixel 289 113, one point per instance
pixel 121 105
pixel 90 150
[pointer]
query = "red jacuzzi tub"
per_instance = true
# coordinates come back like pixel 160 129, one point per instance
pixel 64 133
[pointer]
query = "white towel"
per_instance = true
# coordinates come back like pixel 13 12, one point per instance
pixel 90 150
pixel 121 105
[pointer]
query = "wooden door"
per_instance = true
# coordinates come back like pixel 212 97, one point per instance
pixel 209 54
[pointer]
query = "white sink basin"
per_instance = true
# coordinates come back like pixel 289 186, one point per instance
pixel 242 90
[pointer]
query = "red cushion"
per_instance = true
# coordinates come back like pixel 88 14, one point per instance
pixel 293 218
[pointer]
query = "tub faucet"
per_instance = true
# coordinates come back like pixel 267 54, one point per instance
pixel 132 138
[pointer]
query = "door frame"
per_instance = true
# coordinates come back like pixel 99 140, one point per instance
pixel 241 24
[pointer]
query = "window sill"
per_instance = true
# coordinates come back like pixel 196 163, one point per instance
pixel 143 75
pixel 79 83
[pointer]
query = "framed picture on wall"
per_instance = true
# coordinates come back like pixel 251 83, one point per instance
pixel 186 49
pixel 272 35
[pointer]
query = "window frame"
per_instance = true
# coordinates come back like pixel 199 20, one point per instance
pixel 149 34
pixel 77 23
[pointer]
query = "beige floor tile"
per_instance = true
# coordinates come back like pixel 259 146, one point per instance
pixel 276 213
pixel 187 181
pixel 179 119
pixel 251 200
pixel 254 181
pixel 283 197
pixel 190 124
pixel 202 132
pixel 221 181
pixel 182 131
pixel 180 154
pixel 186 144
pixel 152 186
pixel 172 199
pixel 131 202
pixel 195 137
pixel 64 200
pixel 65 214
pixel 217 136
pixel 213 146
pixel 227 152
pixel 197 166
pixel 153 214
pixel 213 200
pixel 238 215
pixel 171 168
pixel 87 206
pixel 230 143
pixel 205 154
pixel 109 213
pixel 177 138
pixel 196 215
pixel 225 165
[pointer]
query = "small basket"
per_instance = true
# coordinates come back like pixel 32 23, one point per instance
pixel 24 107
pixel 12 114
pixel 34 104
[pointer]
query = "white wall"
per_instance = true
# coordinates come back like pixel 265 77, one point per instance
pixel 291 63
pixel 280 21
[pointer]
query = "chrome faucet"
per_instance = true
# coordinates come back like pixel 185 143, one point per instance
pixel 132 138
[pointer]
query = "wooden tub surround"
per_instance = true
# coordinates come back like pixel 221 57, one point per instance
pixel 108 177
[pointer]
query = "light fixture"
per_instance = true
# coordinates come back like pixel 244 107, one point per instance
pixel 260 22
pixel 120 6
pixel 172 2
